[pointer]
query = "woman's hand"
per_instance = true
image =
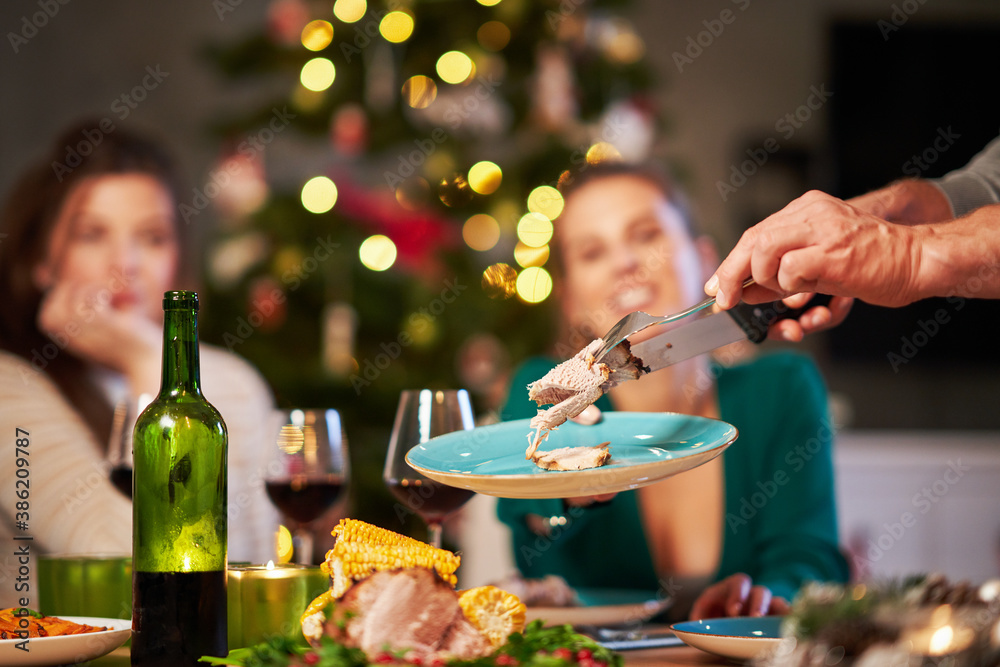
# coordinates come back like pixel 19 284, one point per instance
pixel 81 318
pixel 737 596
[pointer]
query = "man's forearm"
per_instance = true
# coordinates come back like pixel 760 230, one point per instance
pixel 908 202
pixel 962 257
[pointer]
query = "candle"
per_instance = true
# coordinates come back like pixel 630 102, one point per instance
pixel 267 600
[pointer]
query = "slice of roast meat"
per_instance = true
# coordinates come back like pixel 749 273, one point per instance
pixel 573 458
pixel 576 383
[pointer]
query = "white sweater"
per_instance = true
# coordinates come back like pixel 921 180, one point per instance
pixel 74 508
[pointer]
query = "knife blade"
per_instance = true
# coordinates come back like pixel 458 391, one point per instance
pixel 708 332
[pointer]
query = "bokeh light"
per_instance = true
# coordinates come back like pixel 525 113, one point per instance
pixel 454 67
pixel 454 191
pixel 534 229
pixel 481 232
pixel 317 35
pixel 283 545
pixel 602 151
pixel 526 255
pixel 620 42
pixel 350 11
pixel 419 91
pixel 318 74
pixel 485 177
pixel 500 281
pixel 377 252
pixel 319 194
pixel 488 3
pixel 546 200
pixel 413 193
pixel 396 27
pixel 534 284
pixel 493 35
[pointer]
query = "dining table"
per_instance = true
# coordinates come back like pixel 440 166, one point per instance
pixel 673 656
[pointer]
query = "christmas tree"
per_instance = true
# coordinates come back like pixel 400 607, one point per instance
pixel 415 255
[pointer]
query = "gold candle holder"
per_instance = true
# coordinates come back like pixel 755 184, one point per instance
pixel 266 601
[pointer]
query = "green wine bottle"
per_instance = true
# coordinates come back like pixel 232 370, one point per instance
pixel 179 508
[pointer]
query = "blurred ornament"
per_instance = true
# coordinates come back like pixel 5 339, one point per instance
pixel 285 21
pixel 481 232
pixel 632 127
pixel 231 258
pixel 500 281
pixel 454 191
pixel 617 39
pixel 553 90
pixel 242 186
pixel 493 35
pixel 317 35
pixel 267 304
pixel 349 130
pixel 340 324
pixel 413 193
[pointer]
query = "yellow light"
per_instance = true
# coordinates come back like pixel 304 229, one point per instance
pixel 317 35
pixel 420 91
pixel 485 177
pixel 318 74
pixel 546 200
pixel 481 232
pixel 396 27
pixel 377 252
pixel 534 284
pixel 454 67
pixel 500 281
pixel 940 643
pixel 534 229
pixel 527 255
pixel 350 11
pixel 493 35
pixel 319 194
pixel 489 3
pixel 602 151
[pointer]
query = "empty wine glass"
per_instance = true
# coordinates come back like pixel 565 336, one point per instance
pixel 119 454
pixel 308 471
pixel 421 415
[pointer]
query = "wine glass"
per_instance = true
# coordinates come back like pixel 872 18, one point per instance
pixel 421 415
pixel 308 470
pixel 119 454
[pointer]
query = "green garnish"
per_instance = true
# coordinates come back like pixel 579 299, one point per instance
pixel 537 646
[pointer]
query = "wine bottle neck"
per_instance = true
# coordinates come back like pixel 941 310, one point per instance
pixel 181 370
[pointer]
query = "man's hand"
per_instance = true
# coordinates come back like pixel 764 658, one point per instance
pixel 819 243
pixel 737 596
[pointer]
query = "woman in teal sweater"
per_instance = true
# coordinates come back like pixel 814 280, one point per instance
pixel 741 533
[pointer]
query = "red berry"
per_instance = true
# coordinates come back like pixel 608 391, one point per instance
pixel 437 662
pixel 584 654
pixel 310 658
pixel 563 654
pixel 384 658
pixel 416 660
pixel 587 662
pixel 505 660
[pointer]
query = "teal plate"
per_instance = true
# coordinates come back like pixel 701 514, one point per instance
pixel 738 638
pixel 645 448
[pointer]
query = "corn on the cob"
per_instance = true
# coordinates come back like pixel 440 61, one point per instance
pixel 495 612
pixel 362 549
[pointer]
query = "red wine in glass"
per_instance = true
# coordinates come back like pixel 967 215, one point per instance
pixel 433 501
pixel 304 498
pixel 423 414
pixel 121 477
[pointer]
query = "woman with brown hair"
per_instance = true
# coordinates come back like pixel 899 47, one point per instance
pixel 87 253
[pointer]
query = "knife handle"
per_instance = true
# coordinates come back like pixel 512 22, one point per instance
pixel 755 319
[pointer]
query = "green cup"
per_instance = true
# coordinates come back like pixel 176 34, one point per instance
pixel 268 602
pixel 97 585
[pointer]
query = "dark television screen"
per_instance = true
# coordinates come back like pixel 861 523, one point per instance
pixel 917 101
